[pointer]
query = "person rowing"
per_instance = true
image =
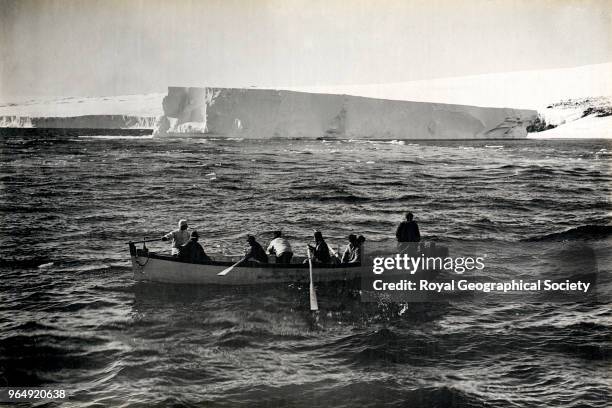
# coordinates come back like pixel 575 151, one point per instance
pixel 192 251
pixel 320 251
pixel 281 248
pixel 255 252
pixel 179 237
pixel 352 253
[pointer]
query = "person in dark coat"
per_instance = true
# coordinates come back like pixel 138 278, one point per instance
pixel 192 251
pixel 320 251
pixel 408 231
pixel 256 251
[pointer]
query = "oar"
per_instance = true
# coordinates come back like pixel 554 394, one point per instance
pixel 144 240
pixel 334 253
pixel 228 270
pixel 313 294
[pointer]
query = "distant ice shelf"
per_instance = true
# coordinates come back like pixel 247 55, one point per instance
pixel 80 122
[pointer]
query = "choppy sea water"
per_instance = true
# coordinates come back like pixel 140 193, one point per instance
pixel 71 316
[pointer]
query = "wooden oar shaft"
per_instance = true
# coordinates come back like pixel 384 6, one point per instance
pixel 313 294
pixel 143 240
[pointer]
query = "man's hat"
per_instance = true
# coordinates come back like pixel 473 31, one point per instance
pixel 194 234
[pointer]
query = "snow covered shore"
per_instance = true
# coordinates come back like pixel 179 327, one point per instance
pixel 581 118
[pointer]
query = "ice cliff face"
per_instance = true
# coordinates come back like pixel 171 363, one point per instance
pixel 80 122
pixel 259 113
pixel 102 112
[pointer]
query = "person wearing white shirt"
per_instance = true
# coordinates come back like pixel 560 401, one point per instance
pixel 179 237
pixel 281 247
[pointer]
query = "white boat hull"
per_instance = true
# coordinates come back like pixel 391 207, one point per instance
pixel 161 270
pixel 153 267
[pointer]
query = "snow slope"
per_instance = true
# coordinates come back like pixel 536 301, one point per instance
pixel 128 105
pixel 263 113
pixel 534 89
pixel 576 119
pixel 590 127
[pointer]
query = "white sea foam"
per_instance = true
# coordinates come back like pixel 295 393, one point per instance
pixel 45 265
pixel 116 137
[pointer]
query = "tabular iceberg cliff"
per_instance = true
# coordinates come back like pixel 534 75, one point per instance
pixel 80 122
pixel 261 113
pixel 103 112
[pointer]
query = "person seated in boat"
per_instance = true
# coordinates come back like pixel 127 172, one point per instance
pixel 352 253
pixel 192 251
pixel 281 248
pixel 179 237
pixel 255 251
pixel 360 240
pixel 408 231
pixel 320 251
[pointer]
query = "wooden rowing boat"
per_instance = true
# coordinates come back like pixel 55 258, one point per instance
pixel 154 267
pixel 149 266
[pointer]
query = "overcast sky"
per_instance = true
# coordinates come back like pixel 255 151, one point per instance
pixel 80 48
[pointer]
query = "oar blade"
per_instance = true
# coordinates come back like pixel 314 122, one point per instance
pixel 314 306
pixel 313 299
pixel 229 269
pixel 225 271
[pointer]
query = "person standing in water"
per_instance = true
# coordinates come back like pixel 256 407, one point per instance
pixel 408 231
pixel 179 237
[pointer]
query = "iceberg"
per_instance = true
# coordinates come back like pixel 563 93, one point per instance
pixel 80 122
pixel 104 112
pixel 267 113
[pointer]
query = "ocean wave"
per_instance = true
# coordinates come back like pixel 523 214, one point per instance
pixel 32 262
pixel 117 137
pixel 323 197
pixel 587 340
pixel 83 320
pixel 583 232
pixel 247 337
